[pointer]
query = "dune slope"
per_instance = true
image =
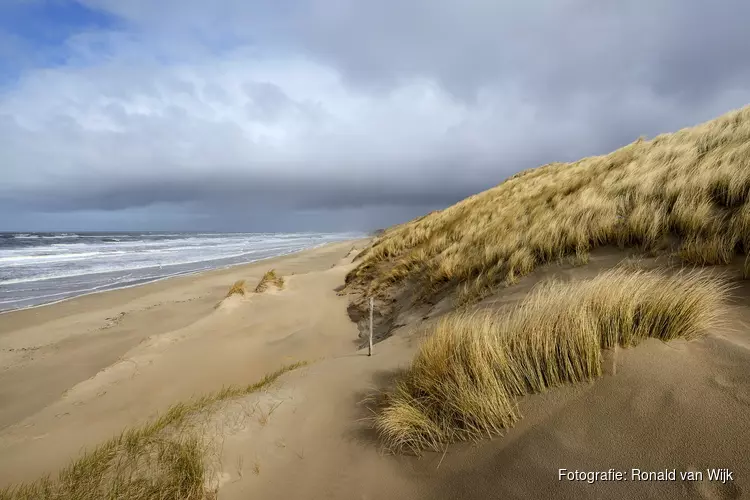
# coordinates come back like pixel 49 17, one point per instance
pixel 684 193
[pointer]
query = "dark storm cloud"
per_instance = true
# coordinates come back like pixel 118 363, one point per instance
pixel 323 105
pixel 310 193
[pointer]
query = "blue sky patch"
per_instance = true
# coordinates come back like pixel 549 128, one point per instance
pixel 48 23
pixel 33 33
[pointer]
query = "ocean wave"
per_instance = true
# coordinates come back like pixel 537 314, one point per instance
pixel 38 273
pixel 54 257
pixel 139 251
pixel 150 265
pixel 29 236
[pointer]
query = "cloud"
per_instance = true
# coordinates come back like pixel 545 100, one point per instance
pixel 321 106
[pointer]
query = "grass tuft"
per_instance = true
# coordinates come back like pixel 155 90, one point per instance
pixel 238 288
pixel 270 278
pixel 464 382
pixel 164 459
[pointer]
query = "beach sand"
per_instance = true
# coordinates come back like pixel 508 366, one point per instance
pixel 76 373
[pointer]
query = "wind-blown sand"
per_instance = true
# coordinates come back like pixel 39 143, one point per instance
pixel 75 378
pixel 77 372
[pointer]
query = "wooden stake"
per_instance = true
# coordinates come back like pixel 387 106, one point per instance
pixel 614 360
pixel 372 306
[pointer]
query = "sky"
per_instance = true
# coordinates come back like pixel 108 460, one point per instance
pixel 333 115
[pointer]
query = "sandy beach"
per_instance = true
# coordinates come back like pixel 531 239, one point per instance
pixel 78 372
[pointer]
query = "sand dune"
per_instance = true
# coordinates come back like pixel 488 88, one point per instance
pixel 660 406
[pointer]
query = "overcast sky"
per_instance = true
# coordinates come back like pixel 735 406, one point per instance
pixel 333 114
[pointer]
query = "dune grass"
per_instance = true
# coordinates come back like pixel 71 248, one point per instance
pixel 238 288
pixel 165 459
pixel 270 278
pixel 684 193
pixel 466 377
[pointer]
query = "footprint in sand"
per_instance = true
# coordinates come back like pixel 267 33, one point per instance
pixel 24 349
pixel 113 321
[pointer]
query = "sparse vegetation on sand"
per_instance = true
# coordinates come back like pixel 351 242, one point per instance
pixel 271 278
pixel 684 193
pixel 464 382
pixel 165 459
pixel 238 288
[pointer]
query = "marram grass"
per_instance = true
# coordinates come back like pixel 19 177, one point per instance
pixel 465 380
pixel 165 459
pixel 268 279
pixel 238 288
pixel 687 192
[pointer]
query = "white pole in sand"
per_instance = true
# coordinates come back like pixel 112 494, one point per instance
pixel 369 352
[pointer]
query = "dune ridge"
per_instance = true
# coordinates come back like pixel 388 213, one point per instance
pixel 683 194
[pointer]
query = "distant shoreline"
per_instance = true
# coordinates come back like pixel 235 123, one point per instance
pixel 143 283
pixel 43 268
pixel 163 279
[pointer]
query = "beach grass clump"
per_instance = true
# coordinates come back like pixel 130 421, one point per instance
pixel 685 194
pixel 466 378
pixel 238 288
pixel 270 278
pixel 164 459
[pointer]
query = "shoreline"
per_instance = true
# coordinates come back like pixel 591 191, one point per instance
pixel 46 351
pixel 164 279
pixel 170 276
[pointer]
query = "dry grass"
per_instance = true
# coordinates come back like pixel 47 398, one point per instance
pixel 271 278
pixel 465 380
pixel 165 459
pixel 238 288
pixel 685 192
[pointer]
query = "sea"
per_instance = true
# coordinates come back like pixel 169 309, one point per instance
pixel 41 268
